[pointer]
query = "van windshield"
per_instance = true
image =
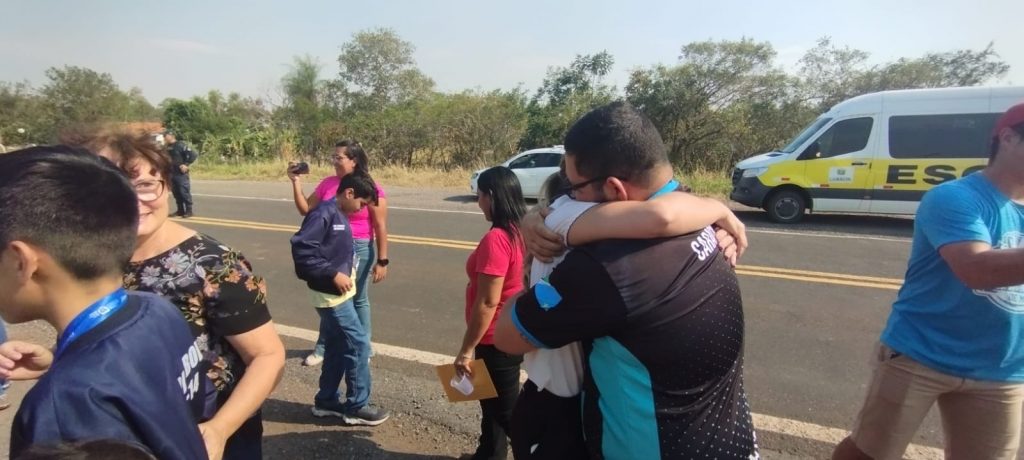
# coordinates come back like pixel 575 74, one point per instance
pixel 804 135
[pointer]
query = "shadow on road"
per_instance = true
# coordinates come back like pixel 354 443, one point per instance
pixel 472 199
pixel 460 198
pixel 276 410
pixel 297 353
pixel 331 445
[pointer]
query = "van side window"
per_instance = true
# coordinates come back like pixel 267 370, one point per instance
pixel 846 136
pixel 941 136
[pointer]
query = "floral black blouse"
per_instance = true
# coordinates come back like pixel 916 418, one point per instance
pixel 216 291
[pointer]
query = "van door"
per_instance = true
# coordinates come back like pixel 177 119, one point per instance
pixel 838 166
pixel 922 151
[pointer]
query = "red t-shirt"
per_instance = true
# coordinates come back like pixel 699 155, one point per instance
pixel 496 255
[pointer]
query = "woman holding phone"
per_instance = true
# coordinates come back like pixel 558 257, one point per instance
pixel 369 227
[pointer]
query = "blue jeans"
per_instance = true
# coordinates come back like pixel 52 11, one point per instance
pixel 346 354
pixel 367 255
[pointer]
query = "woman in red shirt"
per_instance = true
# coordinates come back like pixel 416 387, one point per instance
pixel 495 270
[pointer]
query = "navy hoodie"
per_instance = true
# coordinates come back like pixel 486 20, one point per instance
pixel 138 377
pixel 323 247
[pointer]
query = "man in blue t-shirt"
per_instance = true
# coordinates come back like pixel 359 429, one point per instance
pixel 955 331
pixel 125 366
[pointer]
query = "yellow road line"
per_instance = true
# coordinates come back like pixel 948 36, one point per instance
pixel 789 271
pixel 292 228
pixel 750 270
pixel 741 271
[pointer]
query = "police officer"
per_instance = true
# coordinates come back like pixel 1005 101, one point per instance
pixel 181 186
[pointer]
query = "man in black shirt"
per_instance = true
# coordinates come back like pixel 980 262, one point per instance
pixel 181 185
pixel 661 321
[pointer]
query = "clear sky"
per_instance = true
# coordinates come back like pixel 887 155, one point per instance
pixel 181 48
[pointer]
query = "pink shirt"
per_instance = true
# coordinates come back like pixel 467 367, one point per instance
pixel 496 255
pixel 362 229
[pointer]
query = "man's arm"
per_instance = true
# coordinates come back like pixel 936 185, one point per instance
pixel 979 266
pixel 671 214
pixel 578 301
pixel 506 336
pixel 954 221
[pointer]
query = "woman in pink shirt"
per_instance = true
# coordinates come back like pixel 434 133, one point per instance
pixel 369 225
pixel 495 270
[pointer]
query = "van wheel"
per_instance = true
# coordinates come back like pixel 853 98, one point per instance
pixel 786 206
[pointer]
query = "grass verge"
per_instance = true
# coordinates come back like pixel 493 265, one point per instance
pixel 706 183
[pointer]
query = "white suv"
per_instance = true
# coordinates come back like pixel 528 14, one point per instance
pixel 532 167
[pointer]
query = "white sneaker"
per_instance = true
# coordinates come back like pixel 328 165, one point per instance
pixel 313 360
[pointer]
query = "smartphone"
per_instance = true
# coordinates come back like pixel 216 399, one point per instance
pixel 299 168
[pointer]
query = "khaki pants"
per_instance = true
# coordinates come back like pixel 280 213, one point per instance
pixel 980 419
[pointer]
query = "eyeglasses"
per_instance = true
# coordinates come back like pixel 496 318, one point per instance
pixel 149 190
pixel 575 187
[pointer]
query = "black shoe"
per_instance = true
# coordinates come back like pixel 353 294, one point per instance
pixel 186 215
pixel 366 416
pixel 179 213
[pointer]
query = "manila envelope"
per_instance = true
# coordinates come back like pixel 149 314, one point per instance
pixel 482 386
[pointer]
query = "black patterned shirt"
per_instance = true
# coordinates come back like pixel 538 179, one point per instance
pixel 216 291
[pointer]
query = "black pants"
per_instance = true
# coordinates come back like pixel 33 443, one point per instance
pixel 547 426
pixel 497 412
pixel 181 187
pixel 247 442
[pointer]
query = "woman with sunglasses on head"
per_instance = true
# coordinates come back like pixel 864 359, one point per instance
pixel 369 229
pixel 216 291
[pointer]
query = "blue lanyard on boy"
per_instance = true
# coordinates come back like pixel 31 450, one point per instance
pixel 91 317
pixel 671 186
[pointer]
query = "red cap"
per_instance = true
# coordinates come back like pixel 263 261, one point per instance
pixel 1013 117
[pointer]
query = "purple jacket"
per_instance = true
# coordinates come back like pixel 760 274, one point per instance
pixel 323 247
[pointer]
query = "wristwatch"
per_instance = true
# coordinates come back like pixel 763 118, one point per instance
pixel 382 262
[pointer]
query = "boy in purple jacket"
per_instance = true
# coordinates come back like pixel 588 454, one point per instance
pixel 324 256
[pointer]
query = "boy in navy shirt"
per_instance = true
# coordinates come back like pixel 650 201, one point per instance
pixel 324 256
pixel 125 366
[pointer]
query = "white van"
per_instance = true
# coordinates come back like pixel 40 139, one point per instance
pixel 876 153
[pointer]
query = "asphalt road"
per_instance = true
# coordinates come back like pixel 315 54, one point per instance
pixel 816 295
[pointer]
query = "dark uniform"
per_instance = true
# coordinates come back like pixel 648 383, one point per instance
pixel 661 322
pixel 181 186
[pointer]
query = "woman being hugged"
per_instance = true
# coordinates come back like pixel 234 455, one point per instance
pixel 495 270
pixel 369 229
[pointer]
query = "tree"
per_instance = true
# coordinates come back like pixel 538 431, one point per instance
pixel 831 74
pixel 77 95
pixel 475 128
pixel 704 106
pixel 22 115
pixel 229 128
pixel 378 68
pixel 305 106
pixel 967 67
pixel 565 95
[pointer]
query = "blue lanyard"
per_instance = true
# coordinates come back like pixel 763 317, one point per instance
pixel 671 186
pixel 92 317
